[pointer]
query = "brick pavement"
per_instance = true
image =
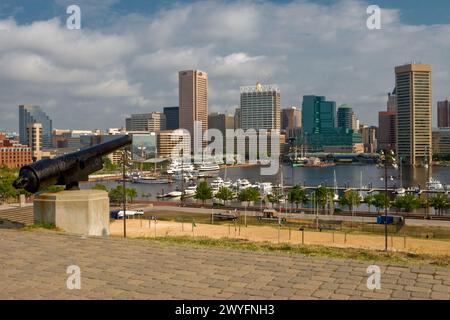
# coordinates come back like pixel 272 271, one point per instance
pixel 33 266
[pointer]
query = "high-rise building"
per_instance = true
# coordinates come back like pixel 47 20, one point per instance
pixel 392 101
pixel 291 118
pixel 193 100
pixel 172 118
pixel 317 114
pixel 369 138
pixel 346 119
pixel 443 117
pixel 220 121
pixel 237 118
pixel 413 86
pixel 34 138
pixel 167 140
pixel 32 114
pixel 260 107
pixel 320 131
pixel 387 127
pixel 150 122
pixel 441 142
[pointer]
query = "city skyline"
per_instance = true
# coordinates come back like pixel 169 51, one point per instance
pixel 124 74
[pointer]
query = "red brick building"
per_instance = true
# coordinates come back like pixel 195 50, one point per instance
pixel 13 154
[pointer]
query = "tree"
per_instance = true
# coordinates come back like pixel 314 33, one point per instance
pixel 132 194
pixel 381 201
pixel 275 197
pixel 116 194
pixel 203 192
pixel 248 195
pixel 440 202
pixel 407 202
pixel 298 196
pixel 322 196
pixel 350 199
pixel 224 194
pixel 100 186
pixel 369 200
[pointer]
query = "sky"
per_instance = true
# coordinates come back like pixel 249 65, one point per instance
pixel 126 56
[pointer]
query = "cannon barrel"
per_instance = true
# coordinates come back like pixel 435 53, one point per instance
pixel 67 169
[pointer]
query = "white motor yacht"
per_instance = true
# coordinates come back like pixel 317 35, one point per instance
pixel 208 167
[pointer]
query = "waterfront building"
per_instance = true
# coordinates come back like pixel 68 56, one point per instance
pixel 369 137
pixel 443 115
pixel 320 129
pixel 260 107
pixel 34 114
pixel 346 118
pixel 193 100
pixel 150 122
pixel 441 141
pixel 172 118
pixel 413 89
pixel 291 118
pixel 13 154
pixel 318 114
pixel 167 140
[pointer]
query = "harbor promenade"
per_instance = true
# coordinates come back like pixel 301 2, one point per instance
pixel 33 265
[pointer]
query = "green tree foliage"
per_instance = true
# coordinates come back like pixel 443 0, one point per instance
pixel 381 201
pixel 350 199
pixel 407 203
pixel 116 194
pixel 322 195
pixel 298 196
pixel 369 200
pixel 224 194
pixel 249 195
pixel 203 192
pixel 440 202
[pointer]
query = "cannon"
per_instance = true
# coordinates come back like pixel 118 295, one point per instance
pixel 68 169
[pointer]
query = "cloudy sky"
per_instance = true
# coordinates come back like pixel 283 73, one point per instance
pixel 127 54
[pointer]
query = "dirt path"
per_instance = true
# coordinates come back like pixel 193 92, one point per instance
pixel 137 228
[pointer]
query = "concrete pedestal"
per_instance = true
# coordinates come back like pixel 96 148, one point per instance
pixel 84 212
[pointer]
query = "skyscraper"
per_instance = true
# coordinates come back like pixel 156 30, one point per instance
pixel 260 107
pixel 193 100
pixel 34 137
pixel 413 83
pixel 34 114
pixel 443 114
pixel 387 127
pixel 151 122
pixel 172 118
pixel 345 117
pixel 318 114
pixel 291 118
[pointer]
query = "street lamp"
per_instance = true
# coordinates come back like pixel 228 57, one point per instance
pixel 125 164
pixel 387 158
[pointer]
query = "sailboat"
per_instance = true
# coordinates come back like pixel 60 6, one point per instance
pixel 336 195
pixel 400 191
pixel 425 159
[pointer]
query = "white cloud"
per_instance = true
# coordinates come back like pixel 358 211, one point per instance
pixel 94 77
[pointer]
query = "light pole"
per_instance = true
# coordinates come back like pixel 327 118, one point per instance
pixel 387 157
